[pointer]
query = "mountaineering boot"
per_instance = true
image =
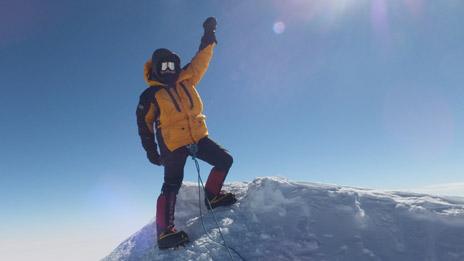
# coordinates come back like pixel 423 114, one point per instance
pixel 172 238
pixel 213 192
pixel 223 199
pixel 167 235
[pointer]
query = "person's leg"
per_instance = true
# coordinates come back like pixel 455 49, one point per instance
pixel 173 175
pixel 212 153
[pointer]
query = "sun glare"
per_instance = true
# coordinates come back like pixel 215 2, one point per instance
pixel 330 11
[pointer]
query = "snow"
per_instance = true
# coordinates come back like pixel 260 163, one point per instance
pixel 278 219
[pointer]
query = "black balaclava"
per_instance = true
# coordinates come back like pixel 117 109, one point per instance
pixel 166 66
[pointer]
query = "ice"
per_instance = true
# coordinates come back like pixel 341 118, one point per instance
pixel 278 219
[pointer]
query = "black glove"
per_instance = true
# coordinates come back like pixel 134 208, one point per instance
pixel 154 158
pixel 210 24
pixel 209 36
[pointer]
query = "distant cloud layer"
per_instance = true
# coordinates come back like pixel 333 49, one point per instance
pixel 447 189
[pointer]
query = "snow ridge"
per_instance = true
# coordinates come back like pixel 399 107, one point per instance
pixel 277 219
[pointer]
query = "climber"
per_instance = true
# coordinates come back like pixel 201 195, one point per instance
pixel 171 109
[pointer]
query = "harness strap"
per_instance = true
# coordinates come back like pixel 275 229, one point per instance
pixel 172 98
pixel 188 94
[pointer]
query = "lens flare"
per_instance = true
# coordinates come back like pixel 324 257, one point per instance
pixel 279 27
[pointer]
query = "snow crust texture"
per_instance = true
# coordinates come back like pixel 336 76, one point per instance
pixel 277 219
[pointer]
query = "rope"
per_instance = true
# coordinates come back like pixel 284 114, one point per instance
pixel 193 149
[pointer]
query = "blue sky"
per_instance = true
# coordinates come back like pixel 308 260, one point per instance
pixel 360 93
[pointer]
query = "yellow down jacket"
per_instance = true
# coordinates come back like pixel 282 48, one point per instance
pixel 178 111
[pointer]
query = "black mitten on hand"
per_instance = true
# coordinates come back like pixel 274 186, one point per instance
pixel 209 35
pixel 210 24
pixel 154 158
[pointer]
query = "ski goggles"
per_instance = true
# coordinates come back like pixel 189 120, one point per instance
pixel 168 65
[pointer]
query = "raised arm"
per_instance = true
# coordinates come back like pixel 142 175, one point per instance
pixel 195 70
